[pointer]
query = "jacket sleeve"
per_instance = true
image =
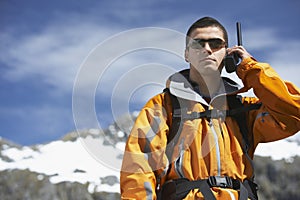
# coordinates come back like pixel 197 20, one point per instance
pixel 279 115
pixel 144 152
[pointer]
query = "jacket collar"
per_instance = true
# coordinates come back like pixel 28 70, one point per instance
pixel 180 85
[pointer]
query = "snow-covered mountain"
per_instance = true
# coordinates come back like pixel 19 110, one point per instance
pixel 63 161
pixel 95 159
pixel 283 149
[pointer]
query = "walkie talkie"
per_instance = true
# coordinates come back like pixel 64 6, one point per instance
pixel 231 61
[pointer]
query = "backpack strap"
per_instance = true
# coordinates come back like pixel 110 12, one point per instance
pixel 178 188
pixel 234 103
pixel 236 110
pixel 179 106
pixel 239 113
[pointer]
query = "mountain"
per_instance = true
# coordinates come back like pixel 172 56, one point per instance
pixel 86 164
pixel 48 168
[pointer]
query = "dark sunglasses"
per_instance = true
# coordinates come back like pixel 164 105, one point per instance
pixel 214 43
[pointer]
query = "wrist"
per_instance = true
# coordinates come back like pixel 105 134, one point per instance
pixel 246 63
pixel 244 66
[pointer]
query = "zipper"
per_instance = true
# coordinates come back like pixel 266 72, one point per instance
pixel 179 161
pixel 218 156
pixel 218 152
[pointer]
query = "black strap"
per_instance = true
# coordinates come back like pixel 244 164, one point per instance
pixel 252 188
pixel 240 117
pixel 235 104
pixel 179 106
pixel 176 121
pixel 236 110
pixel 178 189
pixel 227 182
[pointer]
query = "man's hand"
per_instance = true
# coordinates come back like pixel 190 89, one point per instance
pixel 240 50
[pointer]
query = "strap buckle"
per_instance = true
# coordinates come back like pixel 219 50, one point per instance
pixel 220 181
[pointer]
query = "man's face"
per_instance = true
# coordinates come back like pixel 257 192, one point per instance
pixel 206 50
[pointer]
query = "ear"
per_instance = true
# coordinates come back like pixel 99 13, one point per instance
pixel 186 55
pixel 222 64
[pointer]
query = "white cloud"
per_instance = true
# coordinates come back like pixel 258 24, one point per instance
pixel 259 39
pixel 285 59
pixel 124 63
pixel 55 53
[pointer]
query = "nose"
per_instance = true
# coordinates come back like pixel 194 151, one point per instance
pixel 207 48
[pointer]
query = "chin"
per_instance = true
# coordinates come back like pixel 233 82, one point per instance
pixel 207 69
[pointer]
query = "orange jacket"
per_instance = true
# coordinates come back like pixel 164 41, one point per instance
pixel 206 148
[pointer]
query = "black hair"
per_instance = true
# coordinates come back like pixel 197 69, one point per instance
pixel 206 22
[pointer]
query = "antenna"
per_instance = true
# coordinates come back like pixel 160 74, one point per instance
pixel 239 34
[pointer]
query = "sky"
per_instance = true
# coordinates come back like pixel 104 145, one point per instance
pixel 67 65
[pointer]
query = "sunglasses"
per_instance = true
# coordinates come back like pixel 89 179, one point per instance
pixel 214 43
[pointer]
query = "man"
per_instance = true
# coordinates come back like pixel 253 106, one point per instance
pixel 207 157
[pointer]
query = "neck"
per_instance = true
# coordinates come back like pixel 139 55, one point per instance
pixel 208 84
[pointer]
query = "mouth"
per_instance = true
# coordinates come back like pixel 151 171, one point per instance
pixel 208 59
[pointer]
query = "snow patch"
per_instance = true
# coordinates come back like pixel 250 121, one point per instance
pixel 282 149
pixel 62 161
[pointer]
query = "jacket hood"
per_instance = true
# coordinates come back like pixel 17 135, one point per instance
pixel 181 86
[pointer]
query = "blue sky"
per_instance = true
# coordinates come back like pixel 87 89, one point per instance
pixel 45 46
